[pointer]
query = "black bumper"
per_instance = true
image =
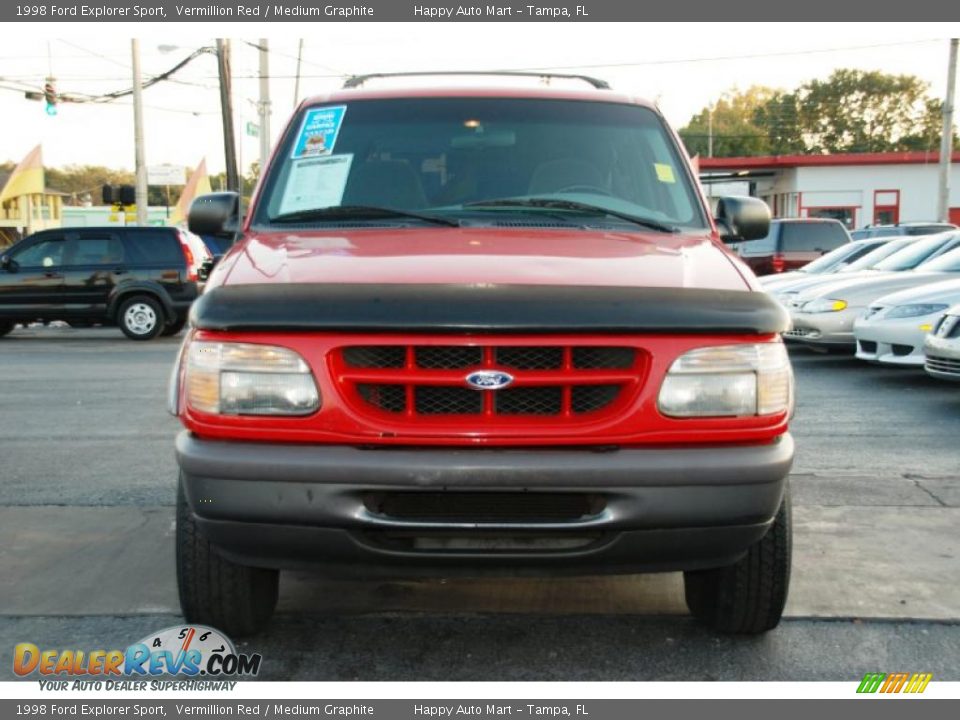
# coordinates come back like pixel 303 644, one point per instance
pixel 291 506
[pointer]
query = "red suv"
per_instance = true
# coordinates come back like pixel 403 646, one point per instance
pixel 792 243
pixel 481 331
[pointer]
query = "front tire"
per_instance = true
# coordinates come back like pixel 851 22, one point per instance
pixel 140 317
pixel 234 598
pixel 747 597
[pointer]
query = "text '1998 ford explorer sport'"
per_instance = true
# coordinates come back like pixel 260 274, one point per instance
pixel 482 331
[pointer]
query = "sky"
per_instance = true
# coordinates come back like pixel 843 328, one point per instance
pixel 683 66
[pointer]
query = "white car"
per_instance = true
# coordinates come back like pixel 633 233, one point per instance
pixel 942 347
pixel 894 327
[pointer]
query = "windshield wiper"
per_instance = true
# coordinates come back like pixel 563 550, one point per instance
pixel 560 204
pixel 359 212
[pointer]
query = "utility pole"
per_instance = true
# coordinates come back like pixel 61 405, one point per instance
pixel 296 83
pixel 946 141
pixel 263 107
pixel 226 109
pixel 141 166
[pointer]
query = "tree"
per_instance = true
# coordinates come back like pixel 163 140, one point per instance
pixel 735 131
pixel 867 111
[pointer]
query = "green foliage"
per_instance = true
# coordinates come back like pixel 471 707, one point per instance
pixel 850 111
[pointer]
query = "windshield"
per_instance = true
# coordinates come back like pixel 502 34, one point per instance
pixel 845 253
pixel 916 253
pixel 871 259
pixel 429 158
pixel 947 262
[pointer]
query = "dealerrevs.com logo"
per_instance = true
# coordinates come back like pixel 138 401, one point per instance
pixel 899 682
pixel 185 651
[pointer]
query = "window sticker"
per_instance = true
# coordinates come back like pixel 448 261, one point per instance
pixel 664 173
pixel 318 134
pixel 316 183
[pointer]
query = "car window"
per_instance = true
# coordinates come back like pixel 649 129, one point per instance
pixel 442 154
pixel 812 237
pixel 914 254
pixel 761 246
pixel 846 253
pixel 879 254
pixel 153 248
pixel 927 229
pixel 44 253
pixel 94 250
pixel 947 262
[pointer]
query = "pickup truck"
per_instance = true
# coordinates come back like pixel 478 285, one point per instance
pixel 482 329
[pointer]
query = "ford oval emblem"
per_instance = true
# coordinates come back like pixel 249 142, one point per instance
pixel 489 379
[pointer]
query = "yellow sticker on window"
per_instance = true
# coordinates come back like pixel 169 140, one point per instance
pixel 664 173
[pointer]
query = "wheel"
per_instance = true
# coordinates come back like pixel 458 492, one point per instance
pixel 174 327
pixel 140 317
pixel 748 596
pixel 236 599
pixel 6 326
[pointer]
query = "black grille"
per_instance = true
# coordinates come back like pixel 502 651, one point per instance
pixel 454 357
pixel 590 398
pixel 484 506
pixel 391 398
pixel 609 358
pixel 432 400
pixel 529 401
pixel 901 350
pixel 375 356
pixel 943 364
pixel 868 346
pixel 530 358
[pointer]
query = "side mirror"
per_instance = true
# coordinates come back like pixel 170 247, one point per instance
pixel 8 263
pixel 216 214
pixel 742 218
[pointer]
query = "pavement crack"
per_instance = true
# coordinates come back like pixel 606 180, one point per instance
pixel 919 485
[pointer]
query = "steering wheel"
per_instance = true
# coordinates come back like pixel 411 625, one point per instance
pixel 595 189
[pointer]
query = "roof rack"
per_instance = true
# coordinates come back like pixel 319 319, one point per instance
pixel 356 81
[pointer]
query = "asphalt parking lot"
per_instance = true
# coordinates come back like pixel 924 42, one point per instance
pixel 87 481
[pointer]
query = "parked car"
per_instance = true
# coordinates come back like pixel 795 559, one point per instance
pixel 896 255
pixel 942 347
pixel 833 262
pixel 893 328
pixel 908 228
pixel 792 243
pixel 142 279
pixel 398 371
pixel 825 317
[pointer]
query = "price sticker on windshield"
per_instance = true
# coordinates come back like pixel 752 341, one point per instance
pixel 664 173
pixel 318 133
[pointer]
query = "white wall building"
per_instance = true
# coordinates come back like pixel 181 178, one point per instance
pixel 859 189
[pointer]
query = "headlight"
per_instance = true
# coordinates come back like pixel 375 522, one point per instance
pixel 822 305
pixel 728 380
pixel 248 379
pixel 909 311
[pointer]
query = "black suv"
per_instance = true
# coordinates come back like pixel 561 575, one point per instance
pixel 142 279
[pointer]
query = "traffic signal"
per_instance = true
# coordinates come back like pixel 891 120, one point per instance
pixel 50 95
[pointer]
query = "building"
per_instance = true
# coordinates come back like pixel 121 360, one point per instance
pixel 859 189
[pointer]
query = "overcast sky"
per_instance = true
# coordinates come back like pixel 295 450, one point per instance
pixel 683 66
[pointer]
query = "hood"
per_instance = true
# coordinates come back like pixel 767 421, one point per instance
pixel 946 292
pixel 816 287
pixel 512 256
pixel 860 293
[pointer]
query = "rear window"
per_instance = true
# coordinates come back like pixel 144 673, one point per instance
pixel 154 248
pixel 762 246
pixel 813 237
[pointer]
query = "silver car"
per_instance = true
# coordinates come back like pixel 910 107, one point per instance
pixel 825 316
pixel 893 329
pixel 942 347
pixel 833 262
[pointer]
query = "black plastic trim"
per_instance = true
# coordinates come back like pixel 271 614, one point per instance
pixel 486 308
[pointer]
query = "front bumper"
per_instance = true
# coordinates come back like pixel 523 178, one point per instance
pixel 943 358
pixel 892 342
pixel 290 506
pixel 832 329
